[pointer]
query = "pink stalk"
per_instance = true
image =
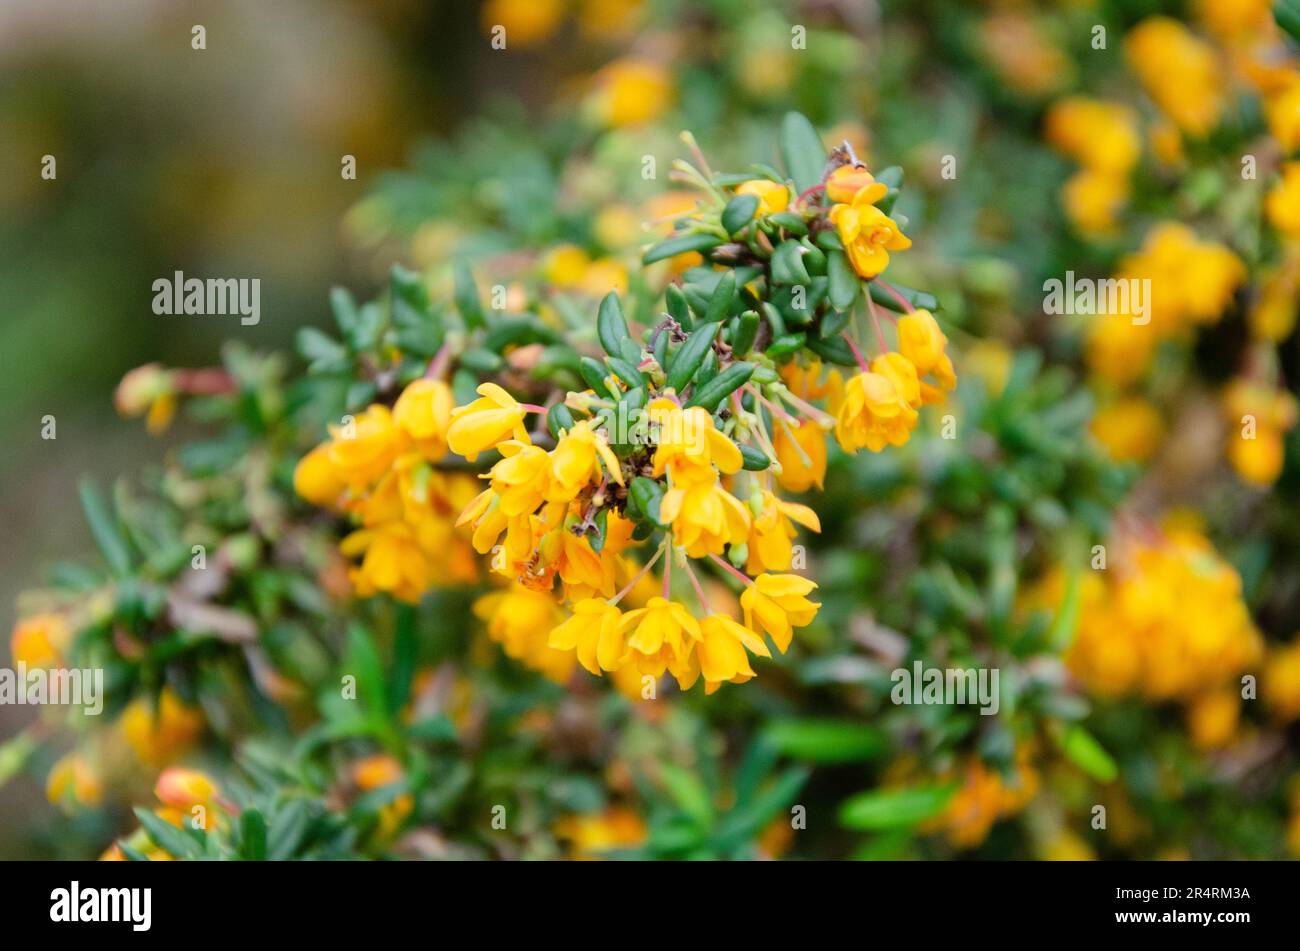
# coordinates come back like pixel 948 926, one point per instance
pixel 857 354
pixel 875 322
pixel 738 575
pixel 699 591
pixel 639 575
pixel 892 291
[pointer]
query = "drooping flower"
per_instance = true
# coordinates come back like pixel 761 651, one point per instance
pixel 778 604
pixel 363 449
pixel 594 631
pixel 801 451
pixel 868 234
pixel 771 534
pixel 705 518
pixel 485 423
pixel 722 651
pixel 847 182
pixel 922 342
pixel 575 462
pixel 874 414
pixel 660 637
pixel 423 413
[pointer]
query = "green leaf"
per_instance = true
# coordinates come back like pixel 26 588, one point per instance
pixel 687 358
pixel 344 308
pixel 645 495
pixel 1287 15
pixel 827 741
pixel 1082 749
pixel 844 282
pixel 558 419
pixel 680 244
pixel 167 837
pixel 611 328
pixel 593 374
pixel 678 307
pixel 833 350
pixel 252 836
pixel 437 727
pixel 323 353
pixel 742 340
pixel 754 460
pixel 688 792
pixel 918 299
pixel 14 754
pixel 711 394
pixel 722 298
pixel 626 372
pixel 364 664
pixel 105 529
pixel 406 652
pixel 465 294
pixel 787 264
pixel 894 808
pixel 418 330
pixel 802 151
pixel 286 830
pixel 739 212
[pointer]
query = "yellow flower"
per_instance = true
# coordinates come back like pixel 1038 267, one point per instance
pixel 1258 460
pixel 1282 110
pixel 1130 428
pixel 722 651
pixel 1212 718
pixel 316 480
pixel 565 264
pixel 522 478
pixel 662 635
pixel 526 22
pixel 1283 201
pixel 1273 317
pixel 486 422
pixel 575 462
pixel 689 446
pixel 630 92
pixel 376 772
pixel 616 827
pixel 1093 199
pixel 1280 682
pixel 772 196
pixel 74 782
pixel 845 183
pixel 779 604
pixel 868 234
pixel 874 414
pixel 801 452
pixel 1234 17
pixel 770 546
pixel 521 620
pixel 705 518
pixel 185 788
pixel 1102 136
pixel 922 342
pixel 160 736
pixel 150 391
pixel 391 561
pixel 594 632
pixel 423 413
pixel 1179 71
pixel 40 640
pixel 364 449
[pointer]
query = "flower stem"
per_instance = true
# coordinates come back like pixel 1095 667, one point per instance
pixel 893 292
pixel 735 573
pixel 857 354
pixel 639 575
pixel 875 323
pixel 699 591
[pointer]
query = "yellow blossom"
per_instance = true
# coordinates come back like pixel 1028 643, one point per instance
pixel 40 640
pixel 423 413
pixel 594 631
pixel 631 91
pixel 705 518
pixel 74 782
pixel 722 651
pixel 778 604
pixel 922 342
pixel 868 234
pixel 1130 428
pixel 160 735
pixel 1179 71
pixel 660 637
pixel 875 413
pixel 801 452
pixel 771 534
pixel 1283 201
pixel 846 182
pixel 772 196
pixel 486 422
pixel 363 449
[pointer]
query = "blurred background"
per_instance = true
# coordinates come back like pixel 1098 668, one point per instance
pixel 220 162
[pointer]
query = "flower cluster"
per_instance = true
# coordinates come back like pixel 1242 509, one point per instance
pixel 380 468
pixel 675 452
pixel 1166 621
